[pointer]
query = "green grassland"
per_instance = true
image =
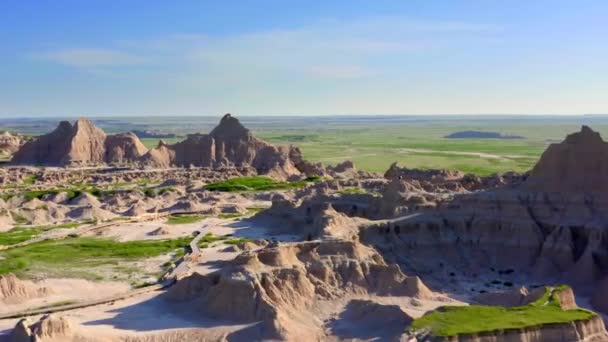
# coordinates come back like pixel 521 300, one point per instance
pixel 421 143
pixel 184 219
pixel 256 183
pixel 23 233
pixel 459 320
pixel 80 256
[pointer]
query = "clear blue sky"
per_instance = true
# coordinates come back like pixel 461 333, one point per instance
pixel 136 57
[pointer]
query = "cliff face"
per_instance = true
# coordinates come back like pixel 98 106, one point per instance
pixel 81 144
pixel 228 144
pixel 552 228
pixel 584 330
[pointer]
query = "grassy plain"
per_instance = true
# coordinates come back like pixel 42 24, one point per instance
pixel 374 146
pixel 374 142
pixel 23 233
pixel 80 256
pixel 255 183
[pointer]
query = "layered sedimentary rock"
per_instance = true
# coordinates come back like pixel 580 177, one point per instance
pixel 591 329
pixel 10 143
pixel 549 229
pixel 81 144
pixel 228 144
pixel 277 285
pixel 48 328
pixel 579 164
pixel 14 290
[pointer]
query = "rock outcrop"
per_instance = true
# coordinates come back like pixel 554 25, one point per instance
pixel 579 164
pixel 278 285
pixel 228 144
pixel 550 228
pixel 48 328
pixel 510 298
pixel 10 143
pixel 587 329
pixel 81 144
pixel 367 320
pixel 13 290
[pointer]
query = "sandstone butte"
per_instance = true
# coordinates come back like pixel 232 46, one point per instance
pixel 228 144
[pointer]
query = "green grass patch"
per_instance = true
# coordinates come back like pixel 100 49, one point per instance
pixel 230 215
pixel 236 241
pixel 353 191
pixel 30 180
pixel 153 192
pixel 458 320
pixel 23 233
pixel 209 238
pixel 78 254
pixel 184 219
pixel 255 183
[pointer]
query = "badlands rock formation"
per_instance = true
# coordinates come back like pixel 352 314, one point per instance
pixel 549 229
pixel 14 290
pixel 81 144
pixel 591 329
pixel 516 297
pixel 10 143
pixel 228 144
pixel 278 286
pixel 48 328
pixel 579 164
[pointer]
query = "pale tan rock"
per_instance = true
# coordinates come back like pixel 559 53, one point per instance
pixel 82 144
pixel 276 285
pixel 13 290
pixel 578 164
pixel 230 143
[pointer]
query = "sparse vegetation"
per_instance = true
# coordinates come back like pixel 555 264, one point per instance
pixel 256 183
pixel 23 233
pixel 30 180
pixel 184 219
pixel 153 192
pixel 229 215
pixel 236 241
pixel 457 320
pixel 353 191
pixel 62 257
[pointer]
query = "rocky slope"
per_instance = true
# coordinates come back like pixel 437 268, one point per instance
pixel 81 144
pixel 549 229
pixel 279 285
pixel 228 144
pixel 579 164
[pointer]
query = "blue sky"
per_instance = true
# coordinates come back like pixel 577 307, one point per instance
pixel 116 58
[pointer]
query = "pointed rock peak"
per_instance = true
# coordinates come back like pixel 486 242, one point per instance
pixel 64 126
pixel 229 127
pixel 586 135
pixel 83 122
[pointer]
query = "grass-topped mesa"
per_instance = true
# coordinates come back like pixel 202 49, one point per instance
pixel 256 183
pixel 449 321
pixel 184 219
